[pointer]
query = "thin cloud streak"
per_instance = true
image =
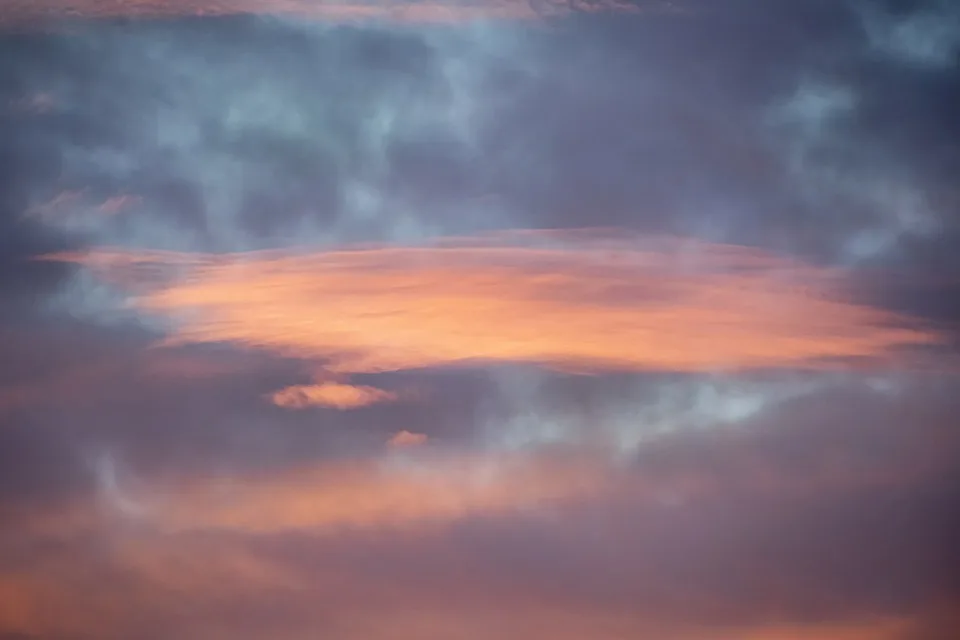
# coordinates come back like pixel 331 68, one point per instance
pixel 571 300
pixel 420 492
pixel 330 394
pixel 415 11
pixel 150 578
pixel 394 493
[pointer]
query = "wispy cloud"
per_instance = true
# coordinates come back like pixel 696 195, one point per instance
pixel 330 394
pixel 573 300
pixel 394 493
pixel 440 535
pixel 418 11
pixel 155 580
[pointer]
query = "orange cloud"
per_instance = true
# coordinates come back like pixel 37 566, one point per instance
pixel 881 628
pixel 530 620
pixel 418 488
pixel 575 300
pixel 136 581
pixel 407 439
pixel 107 596
pixel 400 493
pixel 417 582
pixel 330 394
pixel 117 590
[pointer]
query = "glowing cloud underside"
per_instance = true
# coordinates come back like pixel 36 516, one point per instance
pixel 575 301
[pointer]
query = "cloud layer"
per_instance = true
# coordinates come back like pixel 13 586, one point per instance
pixel 743 534
pixel 557 299
pixel 407 11
pixel 293 372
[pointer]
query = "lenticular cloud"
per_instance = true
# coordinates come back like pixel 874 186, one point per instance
pixel 574 300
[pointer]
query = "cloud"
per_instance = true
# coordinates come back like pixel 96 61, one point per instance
pixel 154 493
pixel 762 538
pixel 396 493
pixel 456 130
pixel 809 447
pixel 330 394
pixel 566 299
pixel 850 140
pixel 407 439
pixel 417 11
pixel 195 588
pixel 627 412
pixel 927 36
pixel 817 122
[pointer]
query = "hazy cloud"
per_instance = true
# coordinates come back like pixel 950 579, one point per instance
pixel 729 415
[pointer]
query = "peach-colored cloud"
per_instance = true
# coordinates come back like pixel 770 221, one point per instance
pixel 574 300
pixel 403 580
pixel 330 394
pixel 110 595
pixel 402 494
pixel 528 620
pixel 137 583
pixel 201 588
pixel 421 488
pixel 881 628
pixel 407 439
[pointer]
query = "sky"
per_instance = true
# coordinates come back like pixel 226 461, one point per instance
pixel 479 320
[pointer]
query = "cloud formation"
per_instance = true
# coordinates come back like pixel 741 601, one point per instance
pixel 402 493
pixel 568 300
pixel 405 11
pixel 299 207
pixel 406 438
pixel 756 533
pixel 330 394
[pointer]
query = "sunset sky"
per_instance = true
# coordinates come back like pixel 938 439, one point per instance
pixel 479 320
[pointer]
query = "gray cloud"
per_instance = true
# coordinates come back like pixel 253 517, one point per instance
pixel 655 122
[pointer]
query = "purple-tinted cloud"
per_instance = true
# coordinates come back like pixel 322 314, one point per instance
pixel 157 492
